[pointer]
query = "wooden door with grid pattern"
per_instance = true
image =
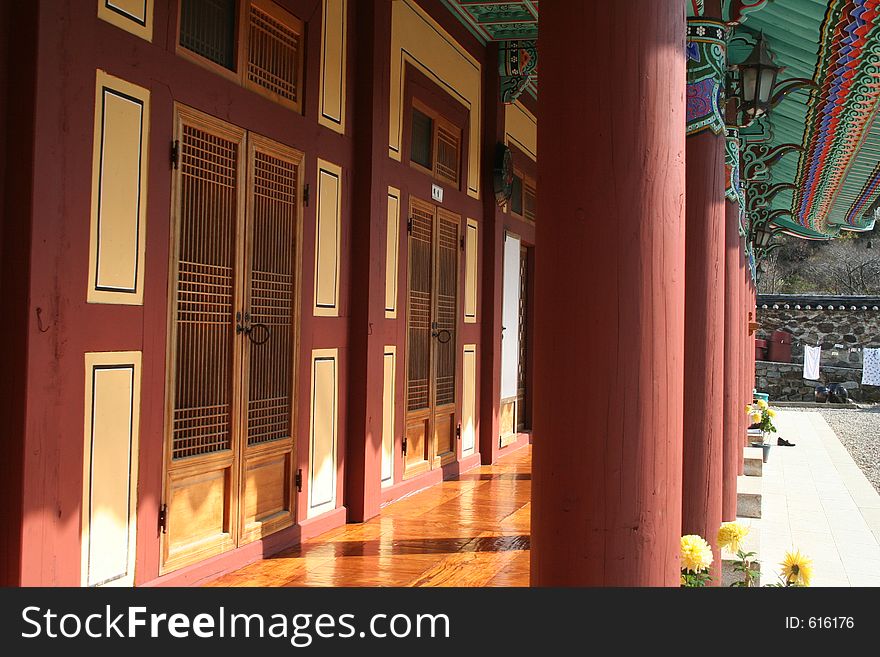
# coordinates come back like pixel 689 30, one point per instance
pixel 229 452
pixel 432 313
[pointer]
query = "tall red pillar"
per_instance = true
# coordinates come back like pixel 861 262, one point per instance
pixel 703 408
pixel 606 481
pixel 368 329
pixel 745 397
pixel 733 346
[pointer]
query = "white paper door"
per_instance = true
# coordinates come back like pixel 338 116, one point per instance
pixel 510 317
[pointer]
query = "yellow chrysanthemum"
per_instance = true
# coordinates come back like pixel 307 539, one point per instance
pixel 696 555
pixel 762 404
pixel 731 535
pixel 748 409
pixel 771 412
pixel 797 568
pixel 756 418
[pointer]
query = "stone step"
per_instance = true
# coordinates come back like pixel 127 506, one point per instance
pixel 748 496
pixel 753 461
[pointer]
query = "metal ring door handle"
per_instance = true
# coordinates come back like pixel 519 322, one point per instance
pixel 262 327
pixel 441 334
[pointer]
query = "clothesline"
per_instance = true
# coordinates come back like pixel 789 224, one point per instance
pixel 819 343
pixel 870 364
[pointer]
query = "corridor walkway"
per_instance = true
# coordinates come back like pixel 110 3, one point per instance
pixel 816 499
pixel 470 531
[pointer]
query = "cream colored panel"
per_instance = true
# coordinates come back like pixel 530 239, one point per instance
pixel 323 432
pixel 119 192
pixel 392 239
pixel 333 59
pixel 388 393
pixel 110 465
pixel 327 239
pixel 469 400
pixel 471 271
pixel 417 39
pixel 521 127
pixel 135 16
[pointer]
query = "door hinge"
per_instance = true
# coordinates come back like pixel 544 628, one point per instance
pixel 404 446
pixel 409 225
pixel 458 432
pixel 175 153
pixel 163 518
pixel 298 480
pixel 306 195
pixel 461 241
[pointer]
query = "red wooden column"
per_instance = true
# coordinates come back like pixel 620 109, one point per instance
pixel 608 340
pixel 492 257
pixel 703 408
pixel 734 329
pixel 18 81
pixel 369 330
pixel 745 390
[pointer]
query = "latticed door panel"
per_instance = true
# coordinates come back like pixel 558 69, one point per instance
pixel 229 458
pixel 271 267
pixel 201 464
pixel 444 333
pixel 270 298
pixel 421 240
pixel 205 298
pixel 447 305
pixel 431 336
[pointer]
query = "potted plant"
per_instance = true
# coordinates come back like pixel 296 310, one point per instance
pixel 762 418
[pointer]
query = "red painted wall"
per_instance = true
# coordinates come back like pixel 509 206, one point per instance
pixel 65 100
pixel 51 362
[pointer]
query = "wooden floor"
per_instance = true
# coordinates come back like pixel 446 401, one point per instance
pixel 470 531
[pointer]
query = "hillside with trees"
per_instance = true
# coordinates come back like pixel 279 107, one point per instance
pixel 849 265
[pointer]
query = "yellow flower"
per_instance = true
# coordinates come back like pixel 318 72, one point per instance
pixel 731 535
pixel 762 404
pixel 756 418
pixel 771 412
pixel 797 568
pixel 696 555
pixel 748 409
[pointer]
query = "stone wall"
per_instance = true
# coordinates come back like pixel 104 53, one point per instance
pixel 841 326
pixel 785 382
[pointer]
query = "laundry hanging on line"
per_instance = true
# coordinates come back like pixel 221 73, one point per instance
pixel 871 366
pixel 812 356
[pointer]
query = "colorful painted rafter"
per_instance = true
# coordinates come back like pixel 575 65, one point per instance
pixel 837 121
pixel 506 22
pixel 864 200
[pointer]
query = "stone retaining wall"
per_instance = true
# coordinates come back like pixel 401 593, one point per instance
pixel 785 382
pixel 841 333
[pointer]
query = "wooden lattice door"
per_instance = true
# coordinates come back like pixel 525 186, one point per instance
pixel 432 312
pixel 229 455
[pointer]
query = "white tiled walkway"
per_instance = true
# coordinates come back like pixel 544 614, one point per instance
pixel 817 500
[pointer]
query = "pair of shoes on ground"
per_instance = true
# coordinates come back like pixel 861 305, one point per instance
pixel 782 442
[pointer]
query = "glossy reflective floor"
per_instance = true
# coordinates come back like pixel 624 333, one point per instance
pixel 469 531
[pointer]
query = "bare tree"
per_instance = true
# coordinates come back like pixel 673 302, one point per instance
pixel 844 266
pixel 771 274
